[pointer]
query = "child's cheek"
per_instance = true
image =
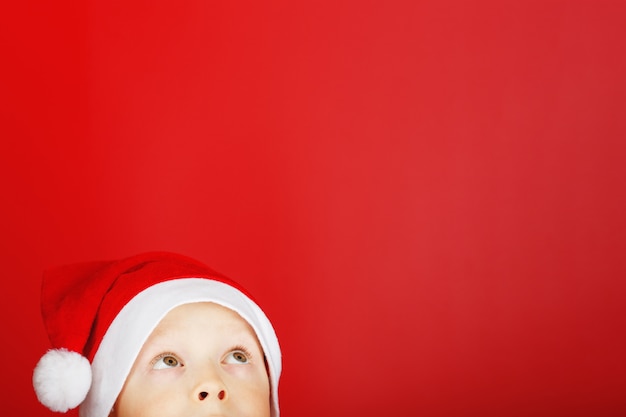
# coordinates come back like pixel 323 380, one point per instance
pixel 242 371
pixel 159 376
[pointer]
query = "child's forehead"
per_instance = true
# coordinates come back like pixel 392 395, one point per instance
pixel 203 325
pixel 202 316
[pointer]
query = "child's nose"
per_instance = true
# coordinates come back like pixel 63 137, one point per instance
pixel 221 395
pixel 210 386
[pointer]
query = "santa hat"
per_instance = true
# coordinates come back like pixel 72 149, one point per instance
pixel 99 314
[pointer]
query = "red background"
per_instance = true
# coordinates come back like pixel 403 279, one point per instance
pixel 426 197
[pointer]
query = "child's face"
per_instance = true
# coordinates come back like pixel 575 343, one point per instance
pixel 201 360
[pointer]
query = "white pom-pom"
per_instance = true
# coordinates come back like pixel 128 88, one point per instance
pixel 62 379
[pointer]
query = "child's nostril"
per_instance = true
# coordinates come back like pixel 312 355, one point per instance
pixel 203 395
pixel 221 395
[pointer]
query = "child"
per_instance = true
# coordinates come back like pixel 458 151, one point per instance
pixel 166 337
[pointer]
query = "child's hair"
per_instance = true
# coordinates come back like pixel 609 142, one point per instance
pixel 99 314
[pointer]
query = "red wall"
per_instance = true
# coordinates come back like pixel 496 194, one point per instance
pixel 427 197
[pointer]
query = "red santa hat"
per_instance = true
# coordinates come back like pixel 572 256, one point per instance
pixel 99 314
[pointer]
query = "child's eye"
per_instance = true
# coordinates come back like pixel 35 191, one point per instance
pixel 165 361
pixel 237 357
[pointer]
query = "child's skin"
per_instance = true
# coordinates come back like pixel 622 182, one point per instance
pixel 201 360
